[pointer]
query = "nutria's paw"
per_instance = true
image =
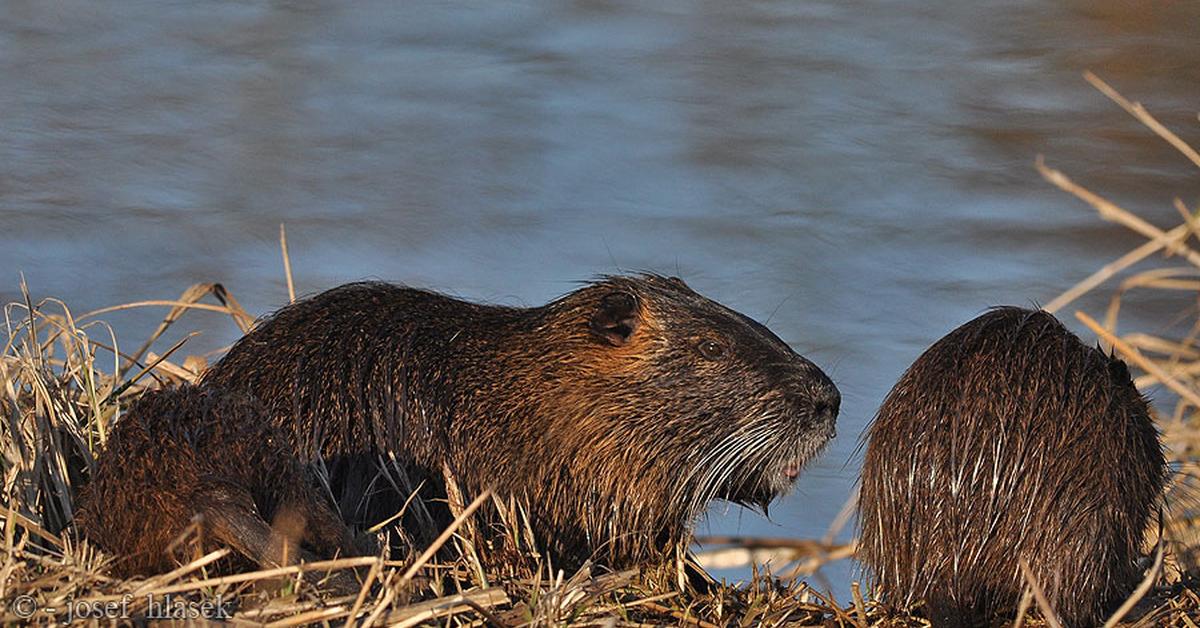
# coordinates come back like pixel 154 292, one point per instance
pixel 366 544
pixel 340 583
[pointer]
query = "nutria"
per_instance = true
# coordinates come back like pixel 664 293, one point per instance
pixel 1009 440
pixel 614 413
pixel 196 456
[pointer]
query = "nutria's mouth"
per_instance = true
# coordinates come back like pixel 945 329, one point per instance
pixel 783 477
pixel 791 470
pixel 769 467
pixel 776 480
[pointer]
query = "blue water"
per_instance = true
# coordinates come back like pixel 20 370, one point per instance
pixel 859 175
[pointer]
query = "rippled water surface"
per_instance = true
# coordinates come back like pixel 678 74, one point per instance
pixel 859 175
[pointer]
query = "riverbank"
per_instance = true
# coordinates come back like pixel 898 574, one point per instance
pixel 63 388
pixel 66 380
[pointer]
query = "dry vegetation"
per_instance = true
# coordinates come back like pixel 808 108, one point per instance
pixel 65 382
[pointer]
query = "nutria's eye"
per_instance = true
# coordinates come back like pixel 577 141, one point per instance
pixel 711 349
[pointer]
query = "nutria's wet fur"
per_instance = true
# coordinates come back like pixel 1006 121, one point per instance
pixel 1010 439
pixel 615 413
pixel 196 456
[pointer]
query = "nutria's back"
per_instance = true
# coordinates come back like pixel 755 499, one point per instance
pixel 1009 439
pixel 617 412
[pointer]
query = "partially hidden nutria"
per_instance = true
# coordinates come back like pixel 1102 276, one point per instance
pixel 615 414
pixel 195 458
pixel 1009 440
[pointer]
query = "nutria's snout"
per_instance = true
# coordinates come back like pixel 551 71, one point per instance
pixel 803 420
pixel 816 399
pixel 826 401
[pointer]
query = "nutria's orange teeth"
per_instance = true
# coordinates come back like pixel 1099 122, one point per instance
pixel 792 470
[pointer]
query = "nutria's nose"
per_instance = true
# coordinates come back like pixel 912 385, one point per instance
pixel 826 401
pixel 823 399
pixel 815 395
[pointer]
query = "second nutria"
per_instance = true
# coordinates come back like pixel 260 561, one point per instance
pixel 615 413
pixel 195 456
pixel 1009 440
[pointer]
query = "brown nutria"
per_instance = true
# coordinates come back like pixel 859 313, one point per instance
pixel 615 413
pixel 194 455
pixel 1009 440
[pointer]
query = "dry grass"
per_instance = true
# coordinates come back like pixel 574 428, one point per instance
pixel 65 384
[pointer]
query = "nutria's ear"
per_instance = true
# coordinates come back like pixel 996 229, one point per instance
pixel 616 318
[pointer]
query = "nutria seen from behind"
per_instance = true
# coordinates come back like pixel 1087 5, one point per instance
pixel 1009 439
pixel 194 456
pixel 615 414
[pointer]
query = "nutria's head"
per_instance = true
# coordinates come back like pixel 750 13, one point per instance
pixel 647 400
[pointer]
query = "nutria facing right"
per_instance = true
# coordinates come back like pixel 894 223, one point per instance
pixel 1009 439
pixel 614 414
